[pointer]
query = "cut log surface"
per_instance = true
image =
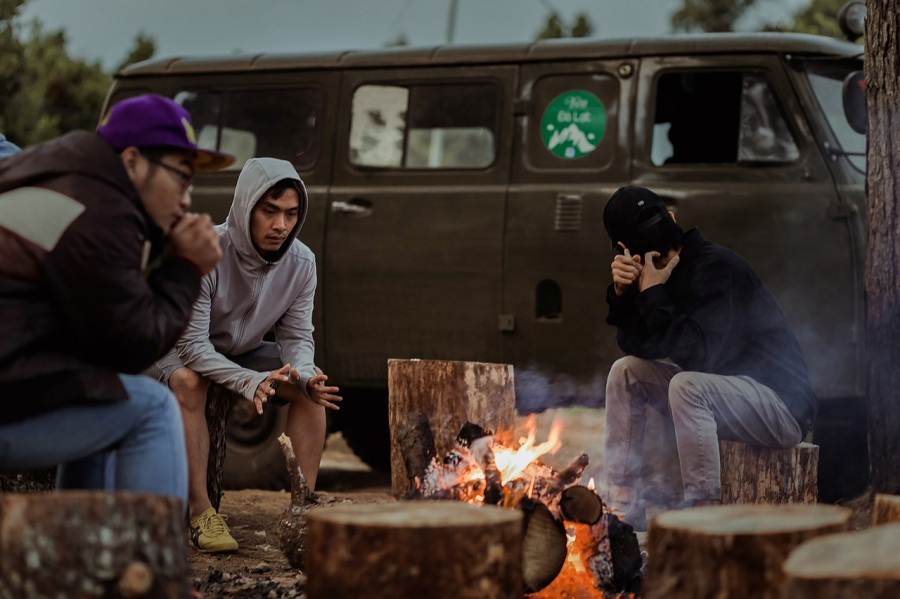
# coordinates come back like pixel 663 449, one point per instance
pixel 858 565
pixel 887 510
pixel 444 396
pixel 753 474
pixel 731 552
pixel 92 544
pixel 433 550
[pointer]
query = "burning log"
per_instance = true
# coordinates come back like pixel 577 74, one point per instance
pixel 743 547
pixel 416 443
pixel 887 509
pixel 292 523
pixel 753 474
pixel 846 566
pixel 439 550
pixel 580 504
pixel 92 544
pixel 544 548
pixel 446 395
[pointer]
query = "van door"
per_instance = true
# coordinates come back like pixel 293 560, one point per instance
pixel 725 142
pixel 573 149
pixel 415 223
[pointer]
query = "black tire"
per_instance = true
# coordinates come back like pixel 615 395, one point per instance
pixel 363 421
pixel 253 458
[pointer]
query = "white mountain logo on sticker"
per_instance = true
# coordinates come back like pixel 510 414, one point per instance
pixel 574 137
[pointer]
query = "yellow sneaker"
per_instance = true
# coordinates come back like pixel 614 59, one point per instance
pixel 210 534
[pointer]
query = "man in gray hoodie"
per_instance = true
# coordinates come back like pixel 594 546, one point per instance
pixel 266 278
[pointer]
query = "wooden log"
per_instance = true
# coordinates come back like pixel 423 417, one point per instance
pixel 752 474
pixel 433 549
pixel 218 402
pixel 543 545
pixel 446 395
pixel 730 552
pixel 92 544
pixel 857 565
pixel 887 509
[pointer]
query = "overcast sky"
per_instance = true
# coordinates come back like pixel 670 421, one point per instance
pixel 104 29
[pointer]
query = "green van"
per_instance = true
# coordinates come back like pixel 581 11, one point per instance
pixel 457 192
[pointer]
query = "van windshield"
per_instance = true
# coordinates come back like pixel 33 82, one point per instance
pixel 827 81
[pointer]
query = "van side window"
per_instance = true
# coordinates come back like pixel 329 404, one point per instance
pixel 442 126
pixel 719 118
pixel 281 123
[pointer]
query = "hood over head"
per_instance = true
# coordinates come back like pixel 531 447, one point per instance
pixel 256 178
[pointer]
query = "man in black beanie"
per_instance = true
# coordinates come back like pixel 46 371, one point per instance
pixel 708 347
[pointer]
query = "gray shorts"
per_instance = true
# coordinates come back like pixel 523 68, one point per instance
pixel 265 358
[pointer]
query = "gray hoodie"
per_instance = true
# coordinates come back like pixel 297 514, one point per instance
pixel 246 295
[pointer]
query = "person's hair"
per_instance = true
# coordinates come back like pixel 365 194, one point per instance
pixel 660 236
pixel 277 190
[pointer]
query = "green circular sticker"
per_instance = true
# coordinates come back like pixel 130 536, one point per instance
pixel 573 124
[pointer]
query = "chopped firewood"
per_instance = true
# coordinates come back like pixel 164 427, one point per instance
pixel 580 504
pixel 292 524
pixel 743 547
pixel 625 553
pixel 887 509
pixel 92 544
pixel 438 550
pixel 854 565
pixel 493 483
pixel 544 547
pixel 417 446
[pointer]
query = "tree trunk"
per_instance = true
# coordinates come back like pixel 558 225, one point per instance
pixel 92 544
pixel 217 404
pixel 730 552
pixel 882 63
pixel 433 549
pixel 887 510
pixel 859 565
pixel 753 474
pixel 438 398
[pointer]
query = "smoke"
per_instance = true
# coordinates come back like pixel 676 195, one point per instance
pixel 539 388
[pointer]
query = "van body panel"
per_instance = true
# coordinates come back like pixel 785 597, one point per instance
pixel 778 216
pixel 418 274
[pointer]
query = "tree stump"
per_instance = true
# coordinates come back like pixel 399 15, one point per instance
pixel 433 549
pixel 431 400
pixel 752 474
pixel 92 544
pixel 730 552
pixel 887 509
pixel 846 566
pixel 218 402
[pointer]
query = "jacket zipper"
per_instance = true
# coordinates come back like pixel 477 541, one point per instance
pixel 257 288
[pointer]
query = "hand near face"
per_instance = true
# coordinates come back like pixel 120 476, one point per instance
pixel 652 276
pixel 625 270
pixel 195 238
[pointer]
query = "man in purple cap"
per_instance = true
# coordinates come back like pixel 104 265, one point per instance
pixel 708 348
pixel 81 217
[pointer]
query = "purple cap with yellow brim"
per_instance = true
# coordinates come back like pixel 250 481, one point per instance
pixel 151 121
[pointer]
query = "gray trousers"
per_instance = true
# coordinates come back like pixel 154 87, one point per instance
pixel 702 408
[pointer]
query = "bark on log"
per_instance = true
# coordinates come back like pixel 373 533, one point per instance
pixel 753 474
pixel 887 510
pixel 218 402
pixel 846 566
pixel 731 552
pixel 433 549
pixel 446 395
pixel 92 544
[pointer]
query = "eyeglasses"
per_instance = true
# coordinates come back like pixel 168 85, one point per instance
pixel 187 179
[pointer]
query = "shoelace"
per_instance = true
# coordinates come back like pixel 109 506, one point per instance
pixel 214 524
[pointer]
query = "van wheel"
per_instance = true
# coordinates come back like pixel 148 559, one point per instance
pixel 363 421
pixel 253 457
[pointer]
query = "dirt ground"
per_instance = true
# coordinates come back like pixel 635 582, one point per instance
pixel 258 568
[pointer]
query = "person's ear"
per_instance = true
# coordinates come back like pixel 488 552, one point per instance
pixel 672 216
pixel 130 159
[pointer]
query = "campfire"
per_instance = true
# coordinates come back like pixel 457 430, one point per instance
pixel 575 546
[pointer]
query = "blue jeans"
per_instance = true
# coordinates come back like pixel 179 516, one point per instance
pixel 133 445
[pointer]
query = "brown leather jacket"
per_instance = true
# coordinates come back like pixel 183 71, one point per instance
pixel 75 305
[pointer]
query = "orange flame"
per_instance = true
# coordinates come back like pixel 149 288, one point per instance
pixel 512 462
pixel 591 484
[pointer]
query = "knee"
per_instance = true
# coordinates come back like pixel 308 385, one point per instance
pixel 685 392
pixel 622 372
pixel 189 388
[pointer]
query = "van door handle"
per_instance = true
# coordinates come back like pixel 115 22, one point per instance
pixel 356 207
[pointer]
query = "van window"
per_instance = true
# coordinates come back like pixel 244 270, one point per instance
pixel 280 123
pixel 719 118
pixel 442 126
pixel 827 81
